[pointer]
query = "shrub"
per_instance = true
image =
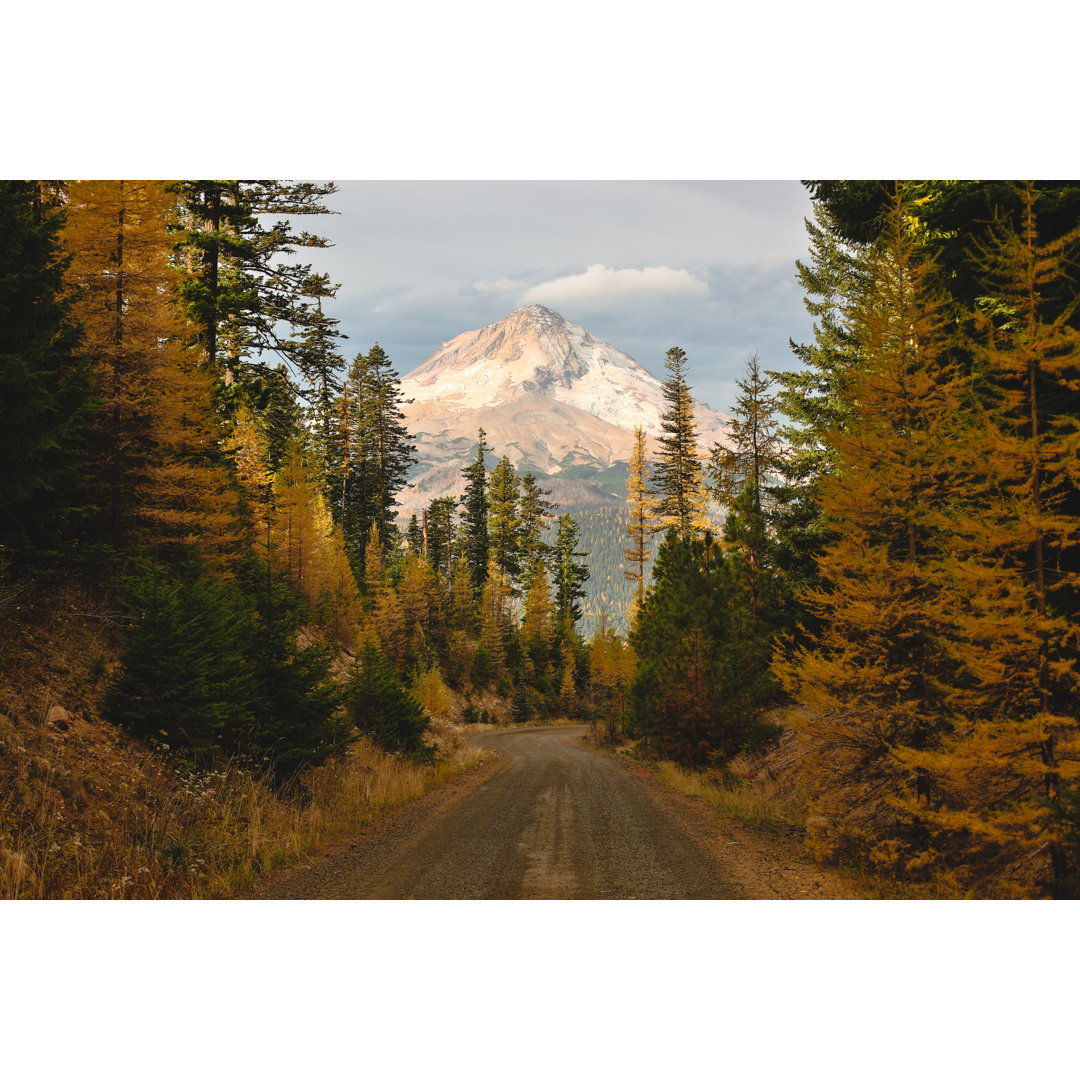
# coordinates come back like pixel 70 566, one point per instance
pixel 379 706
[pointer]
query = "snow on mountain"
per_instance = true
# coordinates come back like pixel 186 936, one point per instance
pixel 548 394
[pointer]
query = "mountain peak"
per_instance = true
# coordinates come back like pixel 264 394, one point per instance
pixel 533 349
pixel 545 389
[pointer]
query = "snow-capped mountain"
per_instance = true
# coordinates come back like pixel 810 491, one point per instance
pixel 548 394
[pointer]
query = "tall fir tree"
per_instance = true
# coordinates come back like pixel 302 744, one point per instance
pixel 474 522
pixel 745 474
pixel 440 533
pixel 536 513
pixel 377 450
pixel 571 573
pixel 239 291
pixel 678 475
pixel 315 355
pixel 505 526
pixel 692 697
pixel 834 279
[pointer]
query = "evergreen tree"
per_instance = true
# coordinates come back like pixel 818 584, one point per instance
pixel 678 475
pixel 504 521
pixel 834 280
pixel 44 382
pixel 535 520
pixel 185 673
pixel 693 697
pixel 315 354
pixel 570 575
pixel 414 536
pixel 379 706
pixel 378 450
pixel 474 523
pixel 238 293
pixel 744 475
pixel 440 534
pixel 297 721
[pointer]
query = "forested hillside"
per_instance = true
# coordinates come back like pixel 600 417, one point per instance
pixel 200 495
pixel 894 590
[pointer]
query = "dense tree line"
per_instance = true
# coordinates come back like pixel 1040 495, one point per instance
pixel 239 512
pixel 897 576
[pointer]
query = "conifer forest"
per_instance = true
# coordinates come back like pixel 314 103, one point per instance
pixel 872 587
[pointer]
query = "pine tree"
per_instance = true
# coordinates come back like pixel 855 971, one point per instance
pixel 185 675
pixel 535 520
pixel 744 475
pixel 44 382
pixel 315 354
pixel 377 449
pixel 474 523
pixel 297 720
pixel 379 706
pixel 678 475
pixel 834 280
pixel 639 503
pixel 692 697
pixel 440 533
pixel 504 521
pixel 570 575
pixel 239 295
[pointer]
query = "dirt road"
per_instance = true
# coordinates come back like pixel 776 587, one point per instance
pixel 553 820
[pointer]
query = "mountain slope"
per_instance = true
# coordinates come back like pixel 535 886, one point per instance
pixel 557 401
pixel 548 394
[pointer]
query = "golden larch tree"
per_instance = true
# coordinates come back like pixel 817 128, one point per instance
pixel 160 473
pixel 869 683
pixel 639 504
pixel 1015 740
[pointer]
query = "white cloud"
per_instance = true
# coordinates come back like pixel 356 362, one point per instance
pixel 502 285
pixel 603 284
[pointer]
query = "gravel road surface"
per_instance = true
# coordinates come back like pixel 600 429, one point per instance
pixel 550 818
pixel 554 821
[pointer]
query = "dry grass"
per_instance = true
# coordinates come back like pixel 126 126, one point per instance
pixel 87 812
pixel 758 801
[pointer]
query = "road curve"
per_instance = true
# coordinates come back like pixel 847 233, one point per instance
pixel 555 821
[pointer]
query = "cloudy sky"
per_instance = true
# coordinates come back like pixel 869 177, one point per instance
pixel 645 265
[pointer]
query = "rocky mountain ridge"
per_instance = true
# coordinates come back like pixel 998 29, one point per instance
pixel 550 395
